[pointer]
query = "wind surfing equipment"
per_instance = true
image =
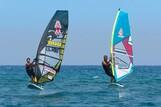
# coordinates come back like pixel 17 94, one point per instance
pixel 50 51
pixel 116 84
pixel 121 47
pixel 34 86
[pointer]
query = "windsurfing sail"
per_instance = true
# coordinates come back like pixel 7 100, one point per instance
pixel 51 48
pixel 121 47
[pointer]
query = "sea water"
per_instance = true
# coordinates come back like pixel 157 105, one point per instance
pixel 82 86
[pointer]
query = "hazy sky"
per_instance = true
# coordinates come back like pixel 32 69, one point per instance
pixel 22 23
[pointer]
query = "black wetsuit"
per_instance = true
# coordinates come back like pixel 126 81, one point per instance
pixel 30 70
pixel 107 69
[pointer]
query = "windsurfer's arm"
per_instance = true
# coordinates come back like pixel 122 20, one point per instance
pixel 110 61
pixel 34 62
pixel 104 63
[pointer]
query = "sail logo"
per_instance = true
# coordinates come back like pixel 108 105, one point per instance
pixel 54 43
pixel 120 34
pixel 57 28
pixel 130 41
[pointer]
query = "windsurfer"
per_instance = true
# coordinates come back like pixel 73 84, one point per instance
pixel 106 64
pixel 30 69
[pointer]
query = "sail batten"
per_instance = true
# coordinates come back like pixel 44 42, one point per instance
pixel 121 47
pixel 51 47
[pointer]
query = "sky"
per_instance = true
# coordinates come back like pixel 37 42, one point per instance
pixel 22 23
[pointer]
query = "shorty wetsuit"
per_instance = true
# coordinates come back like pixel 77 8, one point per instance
pixel 108 69
pixel 30 70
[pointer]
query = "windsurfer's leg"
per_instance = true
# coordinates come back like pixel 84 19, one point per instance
pixel 32 79
pixel 112 79
pixel 35 79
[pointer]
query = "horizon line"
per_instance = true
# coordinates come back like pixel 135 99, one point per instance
pixel 79 65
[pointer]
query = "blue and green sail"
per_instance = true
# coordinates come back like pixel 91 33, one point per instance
pixel 121 47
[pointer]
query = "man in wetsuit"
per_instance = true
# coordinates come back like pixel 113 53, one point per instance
pixel 107 67
pixel 30 70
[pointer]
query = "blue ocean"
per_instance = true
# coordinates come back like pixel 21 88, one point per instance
pixel 82 86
